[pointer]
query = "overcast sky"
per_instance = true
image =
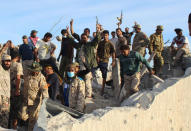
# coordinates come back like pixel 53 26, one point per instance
pixel 19 17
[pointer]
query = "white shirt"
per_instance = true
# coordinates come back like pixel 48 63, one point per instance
pixel 180 41
pixel 44 49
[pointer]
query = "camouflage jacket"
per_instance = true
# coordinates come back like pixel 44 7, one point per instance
pixel 77 94
pixel 140 40
pixel 105 50
pixel 156 43
pixel 121 41
pixel 35 88
pixel 4 82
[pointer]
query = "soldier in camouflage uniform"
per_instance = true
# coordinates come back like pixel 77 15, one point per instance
pixel 140 41
pixel 16 71
pixel 73 90
pixel 156 45
pixel 121 41
pixel 4 88
pixel 35 89
pixel 77 90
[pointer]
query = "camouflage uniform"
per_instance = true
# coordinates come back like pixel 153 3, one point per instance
pixel 121 41
pixel 35 89
pixel 15 69
pixel 131 83
pixel 4 96
pixel 88 84
pixel 156 45
pixel 140 43
pixel 77 94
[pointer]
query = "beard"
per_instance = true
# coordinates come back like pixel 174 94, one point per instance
pixel 5 67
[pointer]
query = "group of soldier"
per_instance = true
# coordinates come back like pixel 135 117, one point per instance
pixel 71 83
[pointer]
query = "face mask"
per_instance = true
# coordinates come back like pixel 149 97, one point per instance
pixel 70 74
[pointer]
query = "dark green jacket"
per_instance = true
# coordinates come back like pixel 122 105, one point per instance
pixel 88 49
pixel 131 64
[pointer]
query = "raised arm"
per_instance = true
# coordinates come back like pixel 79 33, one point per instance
pixel 97 39
pixel 75 35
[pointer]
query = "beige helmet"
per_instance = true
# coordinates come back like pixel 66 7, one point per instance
pixel 159 27
pixel 6 57
pixel 137 26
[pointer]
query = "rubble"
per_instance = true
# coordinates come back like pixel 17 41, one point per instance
pixel 166 107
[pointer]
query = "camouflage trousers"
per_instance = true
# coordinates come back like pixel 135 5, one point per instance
pixel 158 62
pixel 131 83
pixel 30 112
pixel 88 84
pixel 25 65
pixel 4 111
pixel 65 61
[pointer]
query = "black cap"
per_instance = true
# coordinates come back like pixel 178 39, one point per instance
pixel 177 30
pixel 24 37
pixel 34 31
pixel 63 31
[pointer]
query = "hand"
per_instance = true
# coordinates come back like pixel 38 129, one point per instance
pixel 37 60
pixel 17 93
pixel 98 27
pixel 71 22
pixel 152 72
pixel 113 63
pixel 83 59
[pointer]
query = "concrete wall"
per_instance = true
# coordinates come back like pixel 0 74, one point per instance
pixel 166 108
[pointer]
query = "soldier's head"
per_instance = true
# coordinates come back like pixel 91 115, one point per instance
pixel 84 38
pixel 113 34
pixel 126 30
pixel 87 31
pixel 106 35
pixel 25 39
pixel 47 37
pixel 64 33
pixel 178 32
pixel 34 33
pixel 137 28
pixel 6 62
pixel 125 50
pixel 35 68
pixel 119 32
pixel 71 71
pixel 15 56
pixel 159 29
pixel 48 69
pixel 77 66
